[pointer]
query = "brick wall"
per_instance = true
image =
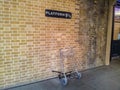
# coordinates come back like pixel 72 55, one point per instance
pixel 30 42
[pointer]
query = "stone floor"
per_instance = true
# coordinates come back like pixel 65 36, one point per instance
pixel 102 78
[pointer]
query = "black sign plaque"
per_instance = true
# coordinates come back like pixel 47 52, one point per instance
pixel 58 14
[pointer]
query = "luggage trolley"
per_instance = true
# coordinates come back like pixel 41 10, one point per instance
pixel 63 76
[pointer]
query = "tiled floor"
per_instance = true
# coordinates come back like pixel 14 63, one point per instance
pixel 102 78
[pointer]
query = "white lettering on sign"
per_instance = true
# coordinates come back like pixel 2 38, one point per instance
pixel 58 14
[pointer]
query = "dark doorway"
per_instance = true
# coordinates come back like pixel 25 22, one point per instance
pixel 115 41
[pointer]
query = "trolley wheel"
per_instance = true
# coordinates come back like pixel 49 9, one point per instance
pixel 78 76
pixel 63 81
